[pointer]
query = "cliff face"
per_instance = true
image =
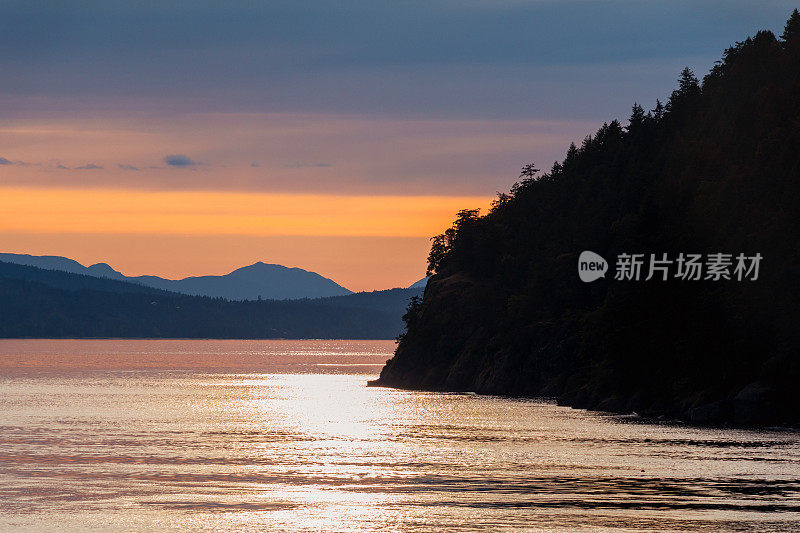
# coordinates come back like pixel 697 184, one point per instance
pixel 452 344
pixel 716 170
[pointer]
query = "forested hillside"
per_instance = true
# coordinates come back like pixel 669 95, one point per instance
pixel 252 282
pixel 45 303
pixel 715 169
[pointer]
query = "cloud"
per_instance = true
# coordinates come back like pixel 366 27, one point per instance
pixel 89 166
pixel 4 161
pixel 62 167
pixel 438 156
pixel 127 167
pixel 255 165
pixel 298 164
pixel 177 160
pixel 378 57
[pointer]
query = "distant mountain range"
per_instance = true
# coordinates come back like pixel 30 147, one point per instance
pixel 55 303
pixel 421 284
pixel 259 280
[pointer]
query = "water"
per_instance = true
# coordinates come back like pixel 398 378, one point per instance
pixel 284 435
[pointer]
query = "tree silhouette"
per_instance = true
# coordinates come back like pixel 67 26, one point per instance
pixel 715 170
pixel 687 82
pixel 791 32
pixel 528 171
pixel 637 117
pixel 658 110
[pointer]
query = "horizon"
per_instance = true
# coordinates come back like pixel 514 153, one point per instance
pixel 187 140
pixel 221 274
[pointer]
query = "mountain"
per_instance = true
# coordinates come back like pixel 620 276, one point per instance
pixel 104 270
pixel 59 279
pixel 43 303
pixel 714 171
pixel 274 282
pixel 419 284
pixel 50 262
pixel 259 280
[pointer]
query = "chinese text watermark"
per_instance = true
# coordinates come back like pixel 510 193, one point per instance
pixel 684 266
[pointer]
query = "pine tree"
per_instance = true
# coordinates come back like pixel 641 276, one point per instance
pixel 791 32
pixel 683 98
pixel 528 171
pixel 792 29
pixel 637 117
pixel 572 152
pixel 687 83
pixel 658 111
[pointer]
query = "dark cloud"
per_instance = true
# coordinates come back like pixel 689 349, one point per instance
pixel 451 57
pixel 61 167
pixel 4 161
pixel 177 160
pixel 255 165
pixel 89 166
pixel 298 164
pixel 127 167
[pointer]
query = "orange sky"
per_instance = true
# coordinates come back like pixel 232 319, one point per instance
pixel 336 140
pixel 353 198
pixel 362 242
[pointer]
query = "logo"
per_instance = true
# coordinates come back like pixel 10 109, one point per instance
pixel 591 266
pixel 663 267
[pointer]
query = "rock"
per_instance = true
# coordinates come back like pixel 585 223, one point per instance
pixel 755 404
pixel 614 404
pixel 709 413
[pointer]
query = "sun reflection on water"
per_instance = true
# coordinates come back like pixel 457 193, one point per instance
pixel 266 448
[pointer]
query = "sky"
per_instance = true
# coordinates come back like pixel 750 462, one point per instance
pixel 190 138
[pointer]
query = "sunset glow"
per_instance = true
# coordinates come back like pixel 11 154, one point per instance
pixel 365 267
pixel 354 198
pixel 363 242
pixel 226 213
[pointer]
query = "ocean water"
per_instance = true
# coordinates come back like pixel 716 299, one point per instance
pixel 176 435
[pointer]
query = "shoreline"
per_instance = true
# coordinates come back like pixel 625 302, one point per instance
pixel 643 418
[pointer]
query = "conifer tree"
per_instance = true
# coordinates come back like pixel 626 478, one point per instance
pixel 637 117
pixel 658 111
pixel 791 32
pixel 687 82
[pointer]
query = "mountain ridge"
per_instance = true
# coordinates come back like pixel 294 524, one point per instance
pixel 46 303
pixel 265 280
